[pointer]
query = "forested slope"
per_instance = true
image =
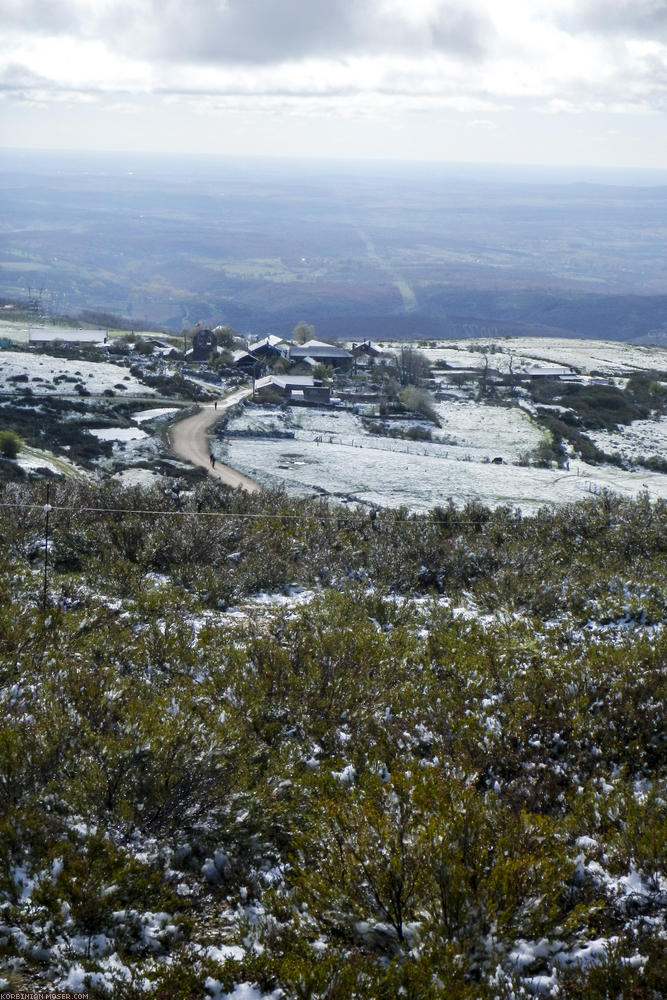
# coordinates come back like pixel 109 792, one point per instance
pixel 428 762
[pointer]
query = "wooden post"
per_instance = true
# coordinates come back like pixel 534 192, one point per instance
pixel 47 509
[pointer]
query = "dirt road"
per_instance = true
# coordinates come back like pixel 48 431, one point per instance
pixel 189 441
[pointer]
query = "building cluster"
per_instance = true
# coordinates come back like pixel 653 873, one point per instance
pixel 283 368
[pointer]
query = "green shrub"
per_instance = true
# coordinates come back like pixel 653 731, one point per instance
pixel 10 444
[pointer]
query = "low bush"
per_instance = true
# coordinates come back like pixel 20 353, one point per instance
pixel 10 444
pixel 370 792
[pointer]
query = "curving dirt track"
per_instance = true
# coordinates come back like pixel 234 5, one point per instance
pixel 189 441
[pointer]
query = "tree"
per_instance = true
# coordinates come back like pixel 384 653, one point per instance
pixel 324 372
pixel 10 444
pixel 412 366
pixel 302 332
pixel 225 336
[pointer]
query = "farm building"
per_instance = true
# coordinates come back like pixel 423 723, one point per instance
pixel 270 347
pixel 550 371
pixel 294 388
pixel 321 353
pixel 245 361
pixel 367 349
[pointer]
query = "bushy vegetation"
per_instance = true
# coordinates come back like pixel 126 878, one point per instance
pixel 419 401
pixel 440 776
pixel 61 425
pixel 592 407
pixel 10 444
pixel 597 406
pixel 415 432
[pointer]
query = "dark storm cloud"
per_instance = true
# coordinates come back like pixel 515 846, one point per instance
pixel 646 19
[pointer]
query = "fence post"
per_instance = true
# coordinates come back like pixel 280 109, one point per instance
pixel 47 508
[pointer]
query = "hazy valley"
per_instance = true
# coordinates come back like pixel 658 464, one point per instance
pixel 357 249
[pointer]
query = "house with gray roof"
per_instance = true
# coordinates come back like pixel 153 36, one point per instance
pixel 321 353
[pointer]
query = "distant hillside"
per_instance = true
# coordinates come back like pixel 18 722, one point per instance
pixel 612 317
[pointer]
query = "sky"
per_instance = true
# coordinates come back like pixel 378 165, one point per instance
pixel 562 82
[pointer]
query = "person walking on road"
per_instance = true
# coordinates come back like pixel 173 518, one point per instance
pixel 212 459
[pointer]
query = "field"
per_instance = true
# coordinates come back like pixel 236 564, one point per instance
pixel 604 358
pixel 334 452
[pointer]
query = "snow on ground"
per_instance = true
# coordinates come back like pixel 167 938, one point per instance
pixel 164 411
pixel 66 334
pixel 143 478
pixel 33 458
pixel 243 991
pixel 640 439
pixel 293 597
pixel 488 430
pixel 419 482
pixel 42 369
pixel 16 332
pixel 469 430
pixel 118 433
pixel 607 357
pixel 459 354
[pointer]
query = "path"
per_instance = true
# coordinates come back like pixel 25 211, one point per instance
pixel 402 286
pixel 189 441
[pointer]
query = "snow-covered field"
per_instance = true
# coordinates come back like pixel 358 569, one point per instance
pixel 42 370
pixel 141 416
pixel 640 439
pixel 488 430
pixel 332 451
pixel 417 481
pixel 469 432
pixel 118 433
pixel 606 357
pixel 16 332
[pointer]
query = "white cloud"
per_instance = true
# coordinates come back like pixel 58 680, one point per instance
pixel 477 51
pixel 344 58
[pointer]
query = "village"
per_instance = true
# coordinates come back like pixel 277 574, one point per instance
pixel 510 421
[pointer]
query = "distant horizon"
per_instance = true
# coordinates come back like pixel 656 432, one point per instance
pixel 348 163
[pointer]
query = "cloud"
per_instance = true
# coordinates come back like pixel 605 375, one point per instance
pixel 626 18
pixel 275 31
pixel 57 17
pixel 477 56
pixel 257 31
pixel 15 76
